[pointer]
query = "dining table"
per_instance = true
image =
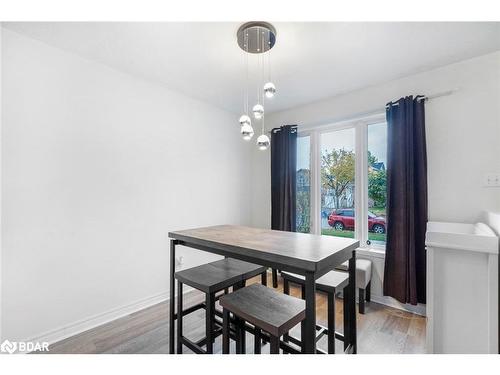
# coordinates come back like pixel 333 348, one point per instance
pixel 305 254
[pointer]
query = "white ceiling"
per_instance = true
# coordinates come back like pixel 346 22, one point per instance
pixel 310 61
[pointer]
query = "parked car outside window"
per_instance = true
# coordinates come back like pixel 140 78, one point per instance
pixel 343 219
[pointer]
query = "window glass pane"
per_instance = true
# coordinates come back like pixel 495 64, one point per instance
pixel 337 183
pixel 303 185
pixel 377 179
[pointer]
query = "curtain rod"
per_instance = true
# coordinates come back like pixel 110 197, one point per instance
pixel 373 112
pixel 427 97
pixel 275 130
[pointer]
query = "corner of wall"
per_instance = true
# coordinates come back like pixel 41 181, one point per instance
pixel 1 284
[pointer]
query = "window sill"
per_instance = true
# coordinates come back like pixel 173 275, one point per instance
pixel 371 252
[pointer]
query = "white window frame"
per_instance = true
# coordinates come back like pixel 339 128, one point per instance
pixel 360 126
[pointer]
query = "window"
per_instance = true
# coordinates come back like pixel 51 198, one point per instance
pixel 341 180
pixel 303 193
pixel 377 182
pixel 337 183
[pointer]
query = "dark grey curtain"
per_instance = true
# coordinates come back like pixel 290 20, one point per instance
pixel 404 273
pixel 283 177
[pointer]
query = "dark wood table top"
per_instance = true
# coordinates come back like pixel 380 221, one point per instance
pixel 296 252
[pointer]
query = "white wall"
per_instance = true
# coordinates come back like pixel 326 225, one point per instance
pixel 463 138
pixel 97 167
pixel 1 274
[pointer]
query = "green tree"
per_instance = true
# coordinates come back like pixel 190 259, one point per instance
pixel 303 201
pixel 303 212
pixel 337 172
pixel 377 182
pixel 377 187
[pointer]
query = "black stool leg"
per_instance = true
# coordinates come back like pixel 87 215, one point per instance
pixel 240 336
pixel 369 292
pixel 263 278
pixel 361 296
pixel 257 341
pixel 275 344
pixel 302 335
pixel 243 334
pixel 225 331
pixel 275 278
pixel 179 317
pixel 209 321
pixel 286 290
pixel 331 322
pixel 237 329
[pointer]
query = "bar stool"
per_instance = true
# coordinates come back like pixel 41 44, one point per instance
pixel 265 308
pixel 330 283
pixel 211 278
pixel 363 280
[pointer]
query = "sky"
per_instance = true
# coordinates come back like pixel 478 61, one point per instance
pixel 377 143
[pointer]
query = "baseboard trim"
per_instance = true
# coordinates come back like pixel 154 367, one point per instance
pixel 97 320
pixel 391 302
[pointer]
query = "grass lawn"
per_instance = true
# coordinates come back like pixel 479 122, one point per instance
pixel 376 237
pixel 350 234
pixel 338 233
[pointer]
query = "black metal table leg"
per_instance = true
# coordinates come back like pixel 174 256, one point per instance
pixel 286 290
pixel 309 327
pixel 257 341
pixel 171 319
pixel 275 345
pixel 346 316
pixel 263 278
pixel 352 302
pixel 331 322
pixel 275 278
pixel 179 317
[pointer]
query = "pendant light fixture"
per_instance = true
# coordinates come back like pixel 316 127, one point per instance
pixel 257 38
pixel 246 129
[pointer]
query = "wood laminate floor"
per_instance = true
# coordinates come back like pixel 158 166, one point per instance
pixel 381 330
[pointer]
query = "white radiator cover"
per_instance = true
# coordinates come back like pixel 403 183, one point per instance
pixel 462 288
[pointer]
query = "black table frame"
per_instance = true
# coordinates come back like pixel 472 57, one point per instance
pixel 308 333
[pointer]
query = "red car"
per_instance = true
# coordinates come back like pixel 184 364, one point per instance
pixel 344 219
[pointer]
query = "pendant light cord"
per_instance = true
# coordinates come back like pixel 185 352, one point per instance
pixel 269 56
pixel 246 69
pixel 262 80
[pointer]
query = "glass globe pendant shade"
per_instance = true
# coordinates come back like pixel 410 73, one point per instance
pixel 258 111
pixel 263 142
pixel 244 119
pixel 246 132
pixel 269 90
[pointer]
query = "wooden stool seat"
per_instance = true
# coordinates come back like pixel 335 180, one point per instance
pixel 266 309
pixel 218 275
pixel 331 281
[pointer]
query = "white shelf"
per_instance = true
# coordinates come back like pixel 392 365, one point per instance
pixel 458 236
